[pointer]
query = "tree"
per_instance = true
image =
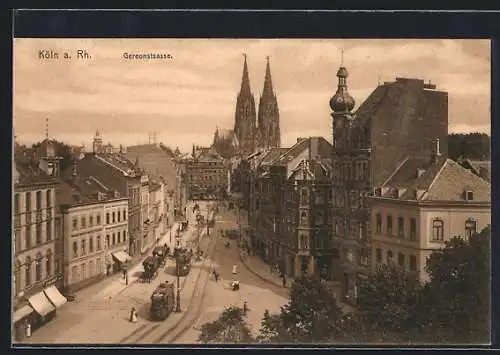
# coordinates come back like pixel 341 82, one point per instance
pixel 230 327
pixel 389 302
pixel 459 288
pixel 475 146
pixel 311 315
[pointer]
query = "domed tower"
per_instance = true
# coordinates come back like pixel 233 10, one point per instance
pixel 341 104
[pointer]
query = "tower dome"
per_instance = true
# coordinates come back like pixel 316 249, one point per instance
pixel 342 101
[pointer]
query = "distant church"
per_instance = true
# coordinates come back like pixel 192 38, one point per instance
pixel 252 130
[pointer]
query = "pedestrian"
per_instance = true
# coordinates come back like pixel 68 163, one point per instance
pixel 284 280
pixel 245 308
pixel 126 279
pixel 28 329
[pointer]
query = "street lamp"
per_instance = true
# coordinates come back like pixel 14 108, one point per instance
pixel 178 303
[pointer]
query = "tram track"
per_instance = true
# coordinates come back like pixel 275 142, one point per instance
pixel 147 333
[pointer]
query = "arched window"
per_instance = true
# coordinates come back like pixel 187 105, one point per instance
pixel 389 256
pixel 303 218
pixel 48 262
pixel 17 275
pixel 437 230
pixel 27 270
pixel 38 267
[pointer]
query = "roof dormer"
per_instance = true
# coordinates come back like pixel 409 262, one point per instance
pixel 468 195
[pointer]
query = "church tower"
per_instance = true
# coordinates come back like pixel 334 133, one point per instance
pixel 268 117
pixel 97 143
pixel 245 116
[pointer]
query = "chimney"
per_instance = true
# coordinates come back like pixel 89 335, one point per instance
pixel 437 152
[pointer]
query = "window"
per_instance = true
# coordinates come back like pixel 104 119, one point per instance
pixel 379 223
pixel 48 226
pixel 48 199
pixel 114 239
pixel 389 256
pixel 413 229
pixel 98 265
pixel 38 233
pixel 470 228
pixel 75 250
pixel 124 236
pixel 401 260
pixel 437 230
pixel 107 241
pixel 91 268
pixel 75 223
pixel 98 242
pixel 303 218
pixel 303 242
pixel 401 227
pixel 48 263
pixel 389 225
pixel 38 267
pixel 107 218
pixel 378 255
pixel 119 237
pixel 91 221
pixel 84 246
pixel 83 222
pixel 124 215
pixel 28 236
pixel 28 202
pixel 74 274
pixel 17 276
pixel 361 230
pixel 39 200
pixel 91 245
pixel 413 263
pixel 98 219
pixel 319 218
pixel 304 196
pixel 84 271
pixel 27 271
pixel 113 219
pixel 17 202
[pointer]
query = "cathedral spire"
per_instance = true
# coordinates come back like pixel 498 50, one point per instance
pixel 268 83
pixel 245 80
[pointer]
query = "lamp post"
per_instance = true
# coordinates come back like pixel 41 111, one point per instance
pixel 178 302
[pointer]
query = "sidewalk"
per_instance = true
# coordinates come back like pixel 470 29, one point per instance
pixel 257 267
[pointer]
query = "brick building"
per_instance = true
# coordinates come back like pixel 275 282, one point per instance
pixel 291 203
pixel 398 120
pixel 205 174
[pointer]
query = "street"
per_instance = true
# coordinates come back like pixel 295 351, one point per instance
pixel 259 294
pixel 101 311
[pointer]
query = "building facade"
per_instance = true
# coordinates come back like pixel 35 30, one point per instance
pixel 399 119
pixel 423 205
pixel 34 254
pixel 206 174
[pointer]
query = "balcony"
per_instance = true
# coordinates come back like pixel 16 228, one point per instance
pixel 38 216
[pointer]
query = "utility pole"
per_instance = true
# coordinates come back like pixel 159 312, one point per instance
pixel 178 301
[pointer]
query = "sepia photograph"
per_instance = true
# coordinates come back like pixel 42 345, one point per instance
pixel 251 191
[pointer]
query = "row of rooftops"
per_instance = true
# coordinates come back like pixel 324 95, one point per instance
pixel 434 178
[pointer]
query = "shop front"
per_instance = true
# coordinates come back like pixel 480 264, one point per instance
pixel 120 259
pixel 21 318
pixel 44 310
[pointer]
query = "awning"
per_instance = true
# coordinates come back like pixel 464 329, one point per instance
pixel 22 312
pixel 41 304
pixel 121 256
pixel 55 296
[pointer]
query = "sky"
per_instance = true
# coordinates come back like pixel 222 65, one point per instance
pixel 185 96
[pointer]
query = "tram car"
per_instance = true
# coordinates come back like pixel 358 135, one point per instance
pixel 161 254
pixel 183 263
pixel 162 301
